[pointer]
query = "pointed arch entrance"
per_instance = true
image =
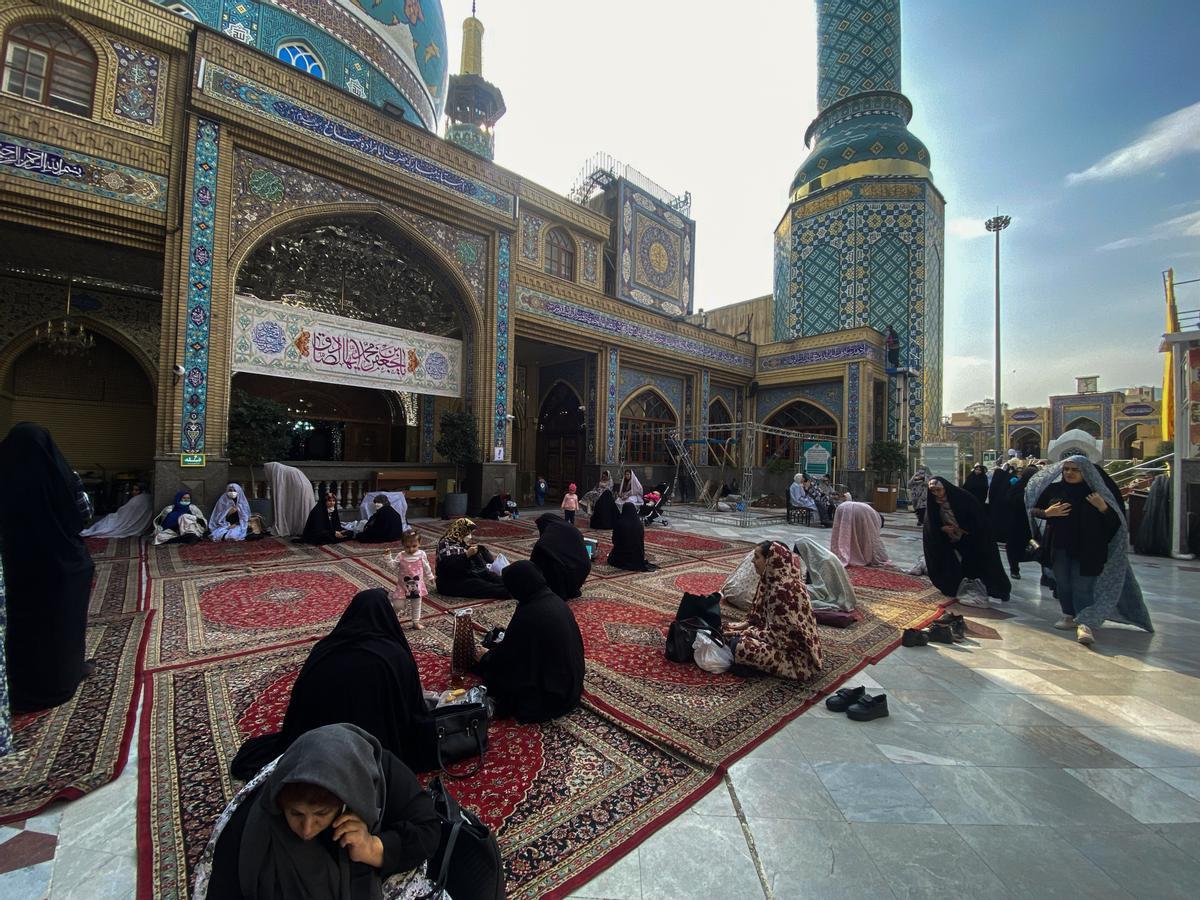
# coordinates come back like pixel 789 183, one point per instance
pixel 560 432
pixel 798 415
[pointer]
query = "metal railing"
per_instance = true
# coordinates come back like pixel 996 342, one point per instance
pixel 603 168
pixel 1160 465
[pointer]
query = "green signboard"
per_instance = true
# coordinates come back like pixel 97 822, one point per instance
pixel 191 460
pixel 818 457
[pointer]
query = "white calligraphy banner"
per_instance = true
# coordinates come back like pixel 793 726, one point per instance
pixel 289 342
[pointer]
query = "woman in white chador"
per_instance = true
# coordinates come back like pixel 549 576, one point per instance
pixel 292 498
pixel 129 521
pixel 181 522
pixel 230 515
pixel 631 490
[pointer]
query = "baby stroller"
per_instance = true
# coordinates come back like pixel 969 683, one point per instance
pixel 654 502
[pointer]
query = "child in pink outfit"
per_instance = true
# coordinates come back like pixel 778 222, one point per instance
pixel 570 503
pixel 414 577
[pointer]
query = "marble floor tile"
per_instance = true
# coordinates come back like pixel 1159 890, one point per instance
pixel 815 859
pixel 875 792
pixel 1145 864
pixel 29 883
pixel 781 745
pixel 956 745
pixel 95 821
pixel 620 881
pixel 1021 681
pixel 696 856
pixel 48 821
pixel 716 802
pixel 81 874
pixel 1182 778
pixel 941 707
pixel 1185 837
pixel 1009 709
pixel 1067 747
pixel 968 795
pixel 927 862
pixel 835 740
pixel 1150 747
pixel 1038 862
pixel 780 789
pixel 1139 793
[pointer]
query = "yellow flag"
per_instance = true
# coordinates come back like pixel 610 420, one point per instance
pixel 1168 398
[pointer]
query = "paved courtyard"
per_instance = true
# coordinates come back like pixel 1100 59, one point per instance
pixel 1026 766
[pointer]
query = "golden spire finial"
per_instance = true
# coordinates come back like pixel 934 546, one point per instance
pixel 472 47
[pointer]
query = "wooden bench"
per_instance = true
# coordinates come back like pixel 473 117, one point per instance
pixel 418 487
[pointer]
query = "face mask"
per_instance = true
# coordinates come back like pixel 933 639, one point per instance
pixel 378 506
pixel 232 495
pixel 186 501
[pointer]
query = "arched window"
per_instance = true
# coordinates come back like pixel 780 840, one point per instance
pixel 50 64
pixel 796 416
pixel 182 9
pixel 1084 424
pixel 560 254
pixel 301 56
pixel 646 421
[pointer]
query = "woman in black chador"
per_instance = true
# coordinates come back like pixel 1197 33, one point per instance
pixel 561 556
pixel 629 542
pixel 958 543
pixel 324 525
pixel 47 570
pixel 976 483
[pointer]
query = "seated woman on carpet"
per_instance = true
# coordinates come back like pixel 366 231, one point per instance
pixel 958 544
pixel 561 556
pixel 331 819
pixel 291 498
pixel 324 525
pixel 604 512
pixel 231 515
pixel 588 501
pixel 462 565
pixel 798 496
pixel 129 521
pixel 363 672
pixel 385 524
pixel 631 490
pixel 829 589
pixel 535 673
pixel 856 539
pixel 779 633
pixel 501 506
pixel 629 542
pixel 181 522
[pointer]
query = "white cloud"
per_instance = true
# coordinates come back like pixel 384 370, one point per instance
pixel 965 228
pixel 1187 225
pixel 1177 134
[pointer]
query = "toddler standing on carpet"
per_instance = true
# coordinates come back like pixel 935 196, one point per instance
pixel 414 578
pixel 570 503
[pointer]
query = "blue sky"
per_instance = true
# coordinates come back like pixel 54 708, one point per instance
pixel 1079 118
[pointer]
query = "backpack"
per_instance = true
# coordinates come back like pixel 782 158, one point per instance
pixel 467 864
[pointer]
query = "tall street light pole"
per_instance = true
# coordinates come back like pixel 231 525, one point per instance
pixel 998 224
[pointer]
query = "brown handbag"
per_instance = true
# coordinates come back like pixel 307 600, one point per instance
pixel 462 654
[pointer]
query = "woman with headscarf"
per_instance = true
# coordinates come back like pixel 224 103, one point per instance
pixel 856 539
pixel 561 556
pixel 631 490
pixel 180 523
pixel 496 508
pixel 588 501
pixel 997 502
pixel 825 576
pixel 918 492
pixel 1019 535
pixel 331 819
pixel 798 497
pixel 536 673
pixel 1086 543
pixel 291 498
pixel 629 542
pixel 462 565
pixel 230 515
pixel 362 672
pixel 47 570
pixel 324 525
pixel 958 544
pixel 385 525
pixel 604 512
pixel 976 483
pixel 130 520
pixel 779 633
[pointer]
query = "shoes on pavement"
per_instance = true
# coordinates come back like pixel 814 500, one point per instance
pixel 1015 574
pixel 868 708
pixel 1084 635
pixel 844 699
pixel 957 624
pixel 914 637
pixel 1066 623
pixel 940 633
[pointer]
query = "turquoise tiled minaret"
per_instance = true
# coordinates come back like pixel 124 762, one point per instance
pixel 862 240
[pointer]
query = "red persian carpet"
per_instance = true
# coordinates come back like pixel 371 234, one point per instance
pixel 113 548
pixel 167 560
pixel 116 587
pixel 67 751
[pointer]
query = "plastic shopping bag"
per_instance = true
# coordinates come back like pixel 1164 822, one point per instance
pixel 497 565
pixel 711 656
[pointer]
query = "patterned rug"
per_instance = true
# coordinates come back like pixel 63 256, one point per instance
pixel 116 587
pixel 167 560
pixel 227 613
pixel 68 751
pixel 113 548
pixel 566 798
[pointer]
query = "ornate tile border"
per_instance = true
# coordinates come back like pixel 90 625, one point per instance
pixel 561 311
pixel 853 400
pixel 241 92
pixel 614 364
pixel 199 294
pixel 427 405
pixel 23 158
pixel 836 353
pixel 136 97
pixel 705 392
pixel 591 410
pixel 631 381
pixel 502 265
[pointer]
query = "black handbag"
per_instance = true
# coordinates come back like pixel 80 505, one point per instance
pixel 460 731
pixel 704 606
pixel 682 634
pixel 467 864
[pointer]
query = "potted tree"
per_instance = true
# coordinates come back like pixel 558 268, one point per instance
pixel 458 443
pixel 886 460
pixel 258 433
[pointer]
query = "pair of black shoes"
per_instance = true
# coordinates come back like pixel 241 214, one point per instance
pixel 857 704
pixel 949 629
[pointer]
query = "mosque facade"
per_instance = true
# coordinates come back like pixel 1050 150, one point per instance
pixel 205 201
